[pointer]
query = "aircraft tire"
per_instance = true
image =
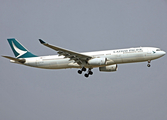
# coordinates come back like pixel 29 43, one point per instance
pixel 90 73
pixel 86 75
pixel 79 71
pixel 83 69
pixel 148 65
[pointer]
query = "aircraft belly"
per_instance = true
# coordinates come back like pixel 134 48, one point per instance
pixel 62 63
pixel 49 64
pixel 55 64
pixel 132 57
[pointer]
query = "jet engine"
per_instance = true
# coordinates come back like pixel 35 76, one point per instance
pixel 97 61
pixel 110 68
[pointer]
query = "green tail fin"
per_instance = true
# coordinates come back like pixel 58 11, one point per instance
pixel 19 50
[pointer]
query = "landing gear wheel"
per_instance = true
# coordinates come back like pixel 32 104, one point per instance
pixel 148 65
pixel 79 71
pixel 86 75
pixel 83 69
pixel 90 73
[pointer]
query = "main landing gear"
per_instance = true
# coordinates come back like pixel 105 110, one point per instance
pixel 148 65
pixel 80 71
pixel 86 74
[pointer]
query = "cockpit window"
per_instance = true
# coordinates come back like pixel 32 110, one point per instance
pixel 158 49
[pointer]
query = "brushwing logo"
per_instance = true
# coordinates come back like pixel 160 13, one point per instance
pixel 20 52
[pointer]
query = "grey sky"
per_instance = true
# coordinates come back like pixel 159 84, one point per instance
pixel 133 92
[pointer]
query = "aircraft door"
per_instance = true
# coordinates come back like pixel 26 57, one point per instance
pixel 149 54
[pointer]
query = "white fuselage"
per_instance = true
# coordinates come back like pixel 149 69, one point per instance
pixel 118 56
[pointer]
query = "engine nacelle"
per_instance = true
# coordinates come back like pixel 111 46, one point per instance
pixel 110 68
pixel 97 61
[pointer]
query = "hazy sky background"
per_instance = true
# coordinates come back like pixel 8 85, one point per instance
pixel 134 92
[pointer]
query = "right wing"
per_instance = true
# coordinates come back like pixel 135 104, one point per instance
pixel 77 57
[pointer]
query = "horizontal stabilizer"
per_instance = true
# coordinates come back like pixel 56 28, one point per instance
pixel 21 60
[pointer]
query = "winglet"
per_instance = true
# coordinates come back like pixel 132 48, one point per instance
pixel 41 41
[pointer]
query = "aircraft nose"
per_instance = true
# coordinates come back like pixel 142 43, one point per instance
pixel 159 54
pixel 162 53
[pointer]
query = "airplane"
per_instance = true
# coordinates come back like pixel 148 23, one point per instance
pixel 106 61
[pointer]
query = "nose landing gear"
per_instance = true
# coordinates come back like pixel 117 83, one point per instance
pixel 148 65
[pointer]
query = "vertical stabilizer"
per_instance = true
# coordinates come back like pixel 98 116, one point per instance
pixel 19 50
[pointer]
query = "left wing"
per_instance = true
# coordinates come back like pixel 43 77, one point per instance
pixel 77 57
